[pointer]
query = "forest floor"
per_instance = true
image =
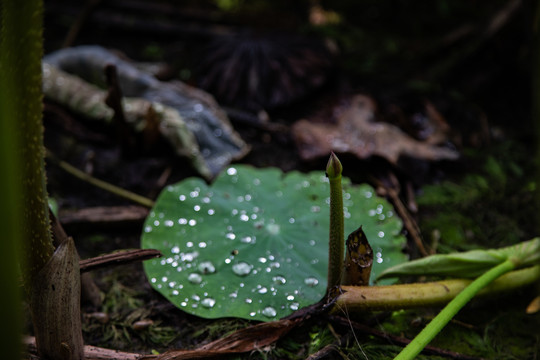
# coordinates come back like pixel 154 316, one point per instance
pixel 474 70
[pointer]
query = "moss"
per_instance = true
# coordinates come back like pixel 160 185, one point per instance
pixel 489 207
pixel 122 308
pixel 501 330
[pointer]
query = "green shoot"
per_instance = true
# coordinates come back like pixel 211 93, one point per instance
pixel 336 236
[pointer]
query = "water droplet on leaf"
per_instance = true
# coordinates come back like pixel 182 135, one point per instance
pixel 206 267
pixel 247 239
pixel 241 268
pixel 273 229
pixel 269 312
pixel 208 302
pixel 311 281
pixel 195 278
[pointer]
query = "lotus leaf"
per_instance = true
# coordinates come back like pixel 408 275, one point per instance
pixel 254 245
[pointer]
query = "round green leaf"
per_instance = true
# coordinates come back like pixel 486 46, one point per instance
pixel 254 245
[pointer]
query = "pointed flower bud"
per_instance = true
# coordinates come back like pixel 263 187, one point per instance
pixel 334 167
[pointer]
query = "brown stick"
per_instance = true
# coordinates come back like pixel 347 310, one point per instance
pixel 104 216
pixel 117 258
pixel 408 222
pixel 90 352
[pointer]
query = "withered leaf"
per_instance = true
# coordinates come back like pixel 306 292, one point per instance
pixel 244 340
pixel 358 259
pixel 55 296
pixel 357 132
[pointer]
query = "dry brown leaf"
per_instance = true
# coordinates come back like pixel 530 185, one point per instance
pixel 357 132
pixel 358 259
pixel 244 340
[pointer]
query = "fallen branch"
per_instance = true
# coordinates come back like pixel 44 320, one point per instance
pixel 104 216
pixel 117 258
pixel 90 352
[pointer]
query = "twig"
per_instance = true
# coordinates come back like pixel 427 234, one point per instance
pixel 90 352
pixel 408 222
pixel 100 183
pixel 117 258
pixel 100 216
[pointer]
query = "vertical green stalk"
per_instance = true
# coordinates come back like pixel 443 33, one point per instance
pixel 23 215
pixel 336 236
pixel 22 50
pixel 52 279
pixel 439 322
pixel 10 211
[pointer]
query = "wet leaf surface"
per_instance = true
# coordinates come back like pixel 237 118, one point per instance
pixel 254 245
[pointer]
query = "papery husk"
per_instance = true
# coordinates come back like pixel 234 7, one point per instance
pixel 358 259
pixel 55 298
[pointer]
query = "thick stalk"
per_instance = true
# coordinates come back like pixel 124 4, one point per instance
pixel 336 236
pixel 362 299
pixel 10 209
pixel 52 279
pixel 439 322
pixel 21 71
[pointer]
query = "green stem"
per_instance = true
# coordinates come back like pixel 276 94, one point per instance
pixel 144 201
pixel 22 50
pixel 336 236
pixel 11 212
pixel 446 314
pixel 362 299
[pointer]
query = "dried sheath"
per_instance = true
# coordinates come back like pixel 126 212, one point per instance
pixel 358 260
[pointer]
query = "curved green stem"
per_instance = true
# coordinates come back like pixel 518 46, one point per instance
pixel 446 314
pixel 139 199
pixel 336 236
